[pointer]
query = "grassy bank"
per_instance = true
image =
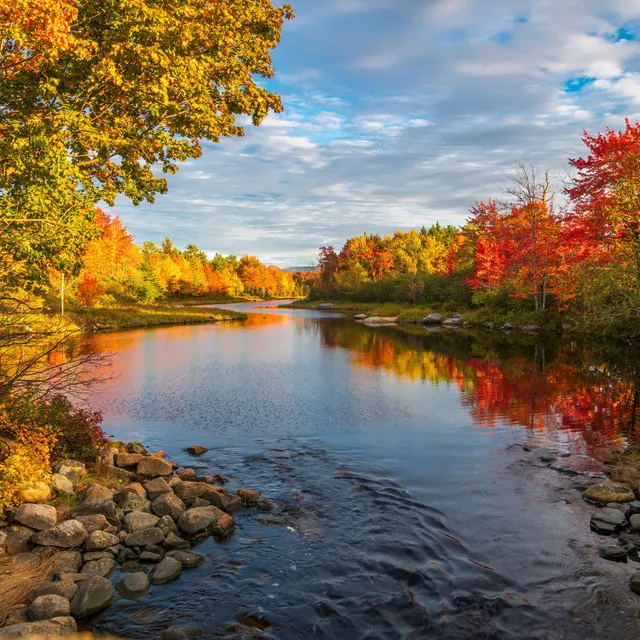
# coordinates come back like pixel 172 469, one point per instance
pixel 152 315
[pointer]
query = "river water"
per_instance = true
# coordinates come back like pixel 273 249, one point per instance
pixel 407 506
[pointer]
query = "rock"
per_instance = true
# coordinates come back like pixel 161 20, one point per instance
pixel 200 502
pixel 324 306
pixel 196 450
pixel 168 504
pixel 630 542
pixel 452 322
pixel 102 567
pixel 489 325
pixel 99 540
pixel 249 496
pixel 173 481
pixel 230 503
pixel 68 561
pixel 207 479
pixel 136 582
pixel 37 516
pixel 187 559
pixel 157 487
pixel 188 491
pixel 138 520
pixel 615 554
pixel 27 558
pixel 136 447
pixel 530 328
pixel 173 541
pixel 223 527
pixel 158 454
pixel 90 556
pixel 151 556
pixel 373 321
pixel 54 628
pixel 96 493
pixel 132 502
pixel 609 492
pixel 123 475
pixel 48 606
pixel 634 508
pixel 167 525
pixel 62 484
pixel 187 474
pixel 145 537
pixel 135 488
pixel 166 570
pixel 37 492
pixel 620 506
pixel 107 509
pixel 360 316
pixel 94 594
pixel 198 519
pixel 106 459
pixel 67 534
pixel 95 522
pixel 433 319
pixel 154 467
pixel 507 326
pixel 17 540
pixel 634 521
pixel 127 459
pixel 634 583
pixel 175 633
pixel 65 588
pixel 608 521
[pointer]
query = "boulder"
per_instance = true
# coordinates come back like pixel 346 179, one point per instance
pixel 95 522
pixel 132 502
pixel 67 534
pixel 187 474
pixel 188 490
pixel 166 570
pixel 96 493
pixel 324 306
pixel 37 492
pixel 54 628
pixel 107 509
pixel 36 516
pixel 507 326
pixel 138 520
pixel 200 502
pixel 127 459
pixel 433 319
pixel 68 561
pixel 136 582
pixel 136 488
pixel 621 506
pixel 173 541
pixel 158 454
pixel 157 487
pixel 607 521
pixel 634 521
pixel 154 467
pixel 62 484
pixel 615 554
pixel 173 481
pixel 167 525
pixel 374 321
pixel 168 504
pixel 65 588
pixel 48 606
pixel 230 503
pixel 99 540
pixel 249 496
pixel 196 450
pixel 136 447
pixel 452 322
pixel 360 316
pixel 187 559
pixel 224 526
pixel 530 328
pixel 145 537
pixel 198 519
pixel 207 479
pixel 73 474
pixel 151 554
pixel 17 539
pixel 102 567
pixel 94 594
pixel 634 583
pixel 609 492
pixel 90 556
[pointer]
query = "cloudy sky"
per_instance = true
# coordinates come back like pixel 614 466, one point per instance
pixel 400 113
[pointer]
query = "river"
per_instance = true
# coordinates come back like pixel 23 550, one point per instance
pixel 408 506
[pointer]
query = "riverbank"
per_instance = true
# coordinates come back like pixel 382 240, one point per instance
pixel 137 316
pixel 129 516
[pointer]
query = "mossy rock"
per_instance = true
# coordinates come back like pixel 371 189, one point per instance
pixel 606 492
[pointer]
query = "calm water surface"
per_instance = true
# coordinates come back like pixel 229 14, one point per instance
pixel 407 506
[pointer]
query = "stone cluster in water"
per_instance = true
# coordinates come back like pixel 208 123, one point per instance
pixel 146 526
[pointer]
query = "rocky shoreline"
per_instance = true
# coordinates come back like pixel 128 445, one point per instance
pixel 130 509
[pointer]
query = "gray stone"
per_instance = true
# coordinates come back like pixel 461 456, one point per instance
pixel 157 487
pixel 136 582
pixel 188 491
pixel 107 509
pixel 62 484
pixel 620 506
pixel 168 504
pixel 56 627
pixel 65 588
pixel 173 541
pixel 166 570
pixel 96 493
pixel 530 328
pixel 37 516
pixel 151 556
pixel 95 522
pixel 607 521
pixel 145 537
pixel 198 519
pixel 634 521
pixel 167 525
pixel 634 583
pixel 452 322
pixel 99 540
pixel 48 606
pixel 94 594
pixel 615 554
pixel 73 473
pixel 68 561
pixel 324 306
pixel 17 540
pixel 507 326
pixel 136 447
pixel 67 535
pixel 187 559
pixel 127 459
pixel 128 501
pixel 175 633
pixel 103 567
pixel 154 467
pixel 433 319
pixel 606 492
pixel 96 555
pixel 138 520
pixel 634 508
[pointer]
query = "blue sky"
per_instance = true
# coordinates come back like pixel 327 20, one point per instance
pixel 400 113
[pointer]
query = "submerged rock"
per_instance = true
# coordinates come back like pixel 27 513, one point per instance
pixel 609 492
pixel 166 570
pixel 187 559
pixel 136 582
pixel 196 450
pixel 615 554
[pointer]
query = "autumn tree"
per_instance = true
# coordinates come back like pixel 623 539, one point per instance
pixel 95 94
